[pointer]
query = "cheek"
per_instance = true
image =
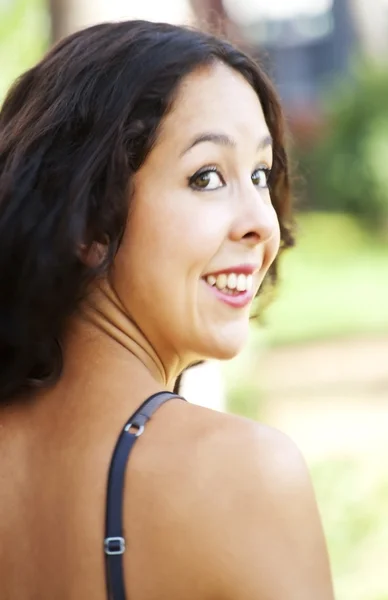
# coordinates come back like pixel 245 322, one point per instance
pixel 175 230
pixel 161 246
pixel 273 244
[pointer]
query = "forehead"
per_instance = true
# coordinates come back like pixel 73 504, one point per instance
pixel 215 98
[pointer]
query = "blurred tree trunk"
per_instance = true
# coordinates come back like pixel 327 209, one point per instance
pixel 58 18
pixel 69 15
pixel 212 16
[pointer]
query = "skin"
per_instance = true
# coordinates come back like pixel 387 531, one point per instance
pixel 216 506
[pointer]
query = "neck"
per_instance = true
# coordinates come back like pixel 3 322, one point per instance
pixel 117 338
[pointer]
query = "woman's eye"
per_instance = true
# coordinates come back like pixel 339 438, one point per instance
pixel 206 179
pixel 260 177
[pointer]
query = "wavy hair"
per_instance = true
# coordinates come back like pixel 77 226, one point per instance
pixel 73 131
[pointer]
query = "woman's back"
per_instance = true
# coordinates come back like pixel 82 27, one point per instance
pixel 191 498
pixel 54 466
pixel 53 470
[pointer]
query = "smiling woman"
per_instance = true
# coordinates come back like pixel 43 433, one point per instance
pixel 143 201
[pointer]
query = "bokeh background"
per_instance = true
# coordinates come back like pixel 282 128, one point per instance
pixel 317 367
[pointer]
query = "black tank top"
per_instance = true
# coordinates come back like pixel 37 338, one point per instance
pixel 114 543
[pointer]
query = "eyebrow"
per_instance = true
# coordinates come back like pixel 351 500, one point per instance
pixel 224 140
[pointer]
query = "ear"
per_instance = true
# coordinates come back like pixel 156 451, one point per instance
pixel 92 255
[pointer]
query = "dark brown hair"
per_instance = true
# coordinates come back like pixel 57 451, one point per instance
pixel 73 131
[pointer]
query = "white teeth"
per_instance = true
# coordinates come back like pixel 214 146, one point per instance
pixel 233 282
pixel 221 281
pixel 241 283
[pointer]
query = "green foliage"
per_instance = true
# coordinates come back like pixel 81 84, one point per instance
pixel 347 171
pixel 245 400
pixel 332 284
pixel 24 36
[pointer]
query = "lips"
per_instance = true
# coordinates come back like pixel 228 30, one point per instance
pixel 233 286
pixel 246 269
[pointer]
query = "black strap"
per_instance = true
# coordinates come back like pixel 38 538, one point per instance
pixel 114 543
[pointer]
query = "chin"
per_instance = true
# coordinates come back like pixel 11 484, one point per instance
pixel 228 352
pixel 227 346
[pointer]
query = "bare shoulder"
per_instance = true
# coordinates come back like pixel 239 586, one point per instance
pixel 252 454
pixel 235 516
pixel 259 514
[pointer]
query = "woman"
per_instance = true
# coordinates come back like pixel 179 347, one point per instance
pixel 143 199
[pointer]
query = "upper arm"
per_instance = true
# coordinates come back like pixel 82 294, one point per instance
pixel 267 539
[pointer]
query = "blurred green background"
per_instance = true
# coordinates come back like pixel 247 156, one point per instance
pixel 318 368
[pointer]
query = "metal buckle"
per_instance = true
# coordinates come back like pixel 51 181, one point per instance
pixel 114 545
pixel 140 428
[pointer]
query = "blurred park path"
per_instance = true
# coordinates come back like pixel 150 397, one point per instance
pixel 330 397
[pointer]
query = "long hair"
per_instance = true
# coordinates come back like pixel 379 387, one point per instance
pixel 73 131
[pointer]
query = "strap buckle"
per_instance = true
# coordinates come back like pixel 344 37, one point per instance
pixel 139 428
pixel 114 545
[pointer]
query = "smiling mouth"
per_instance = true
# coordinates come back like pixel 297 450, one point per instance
pixel 231 284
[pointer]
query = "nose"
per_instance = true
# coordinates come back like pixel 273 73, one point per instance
pixel 255 219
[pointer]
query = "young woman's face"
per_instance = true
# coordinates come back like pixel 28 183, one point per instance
pixel 202 231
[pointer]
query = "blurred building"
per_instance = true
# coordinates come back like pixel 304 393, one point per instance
pixel 303 44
